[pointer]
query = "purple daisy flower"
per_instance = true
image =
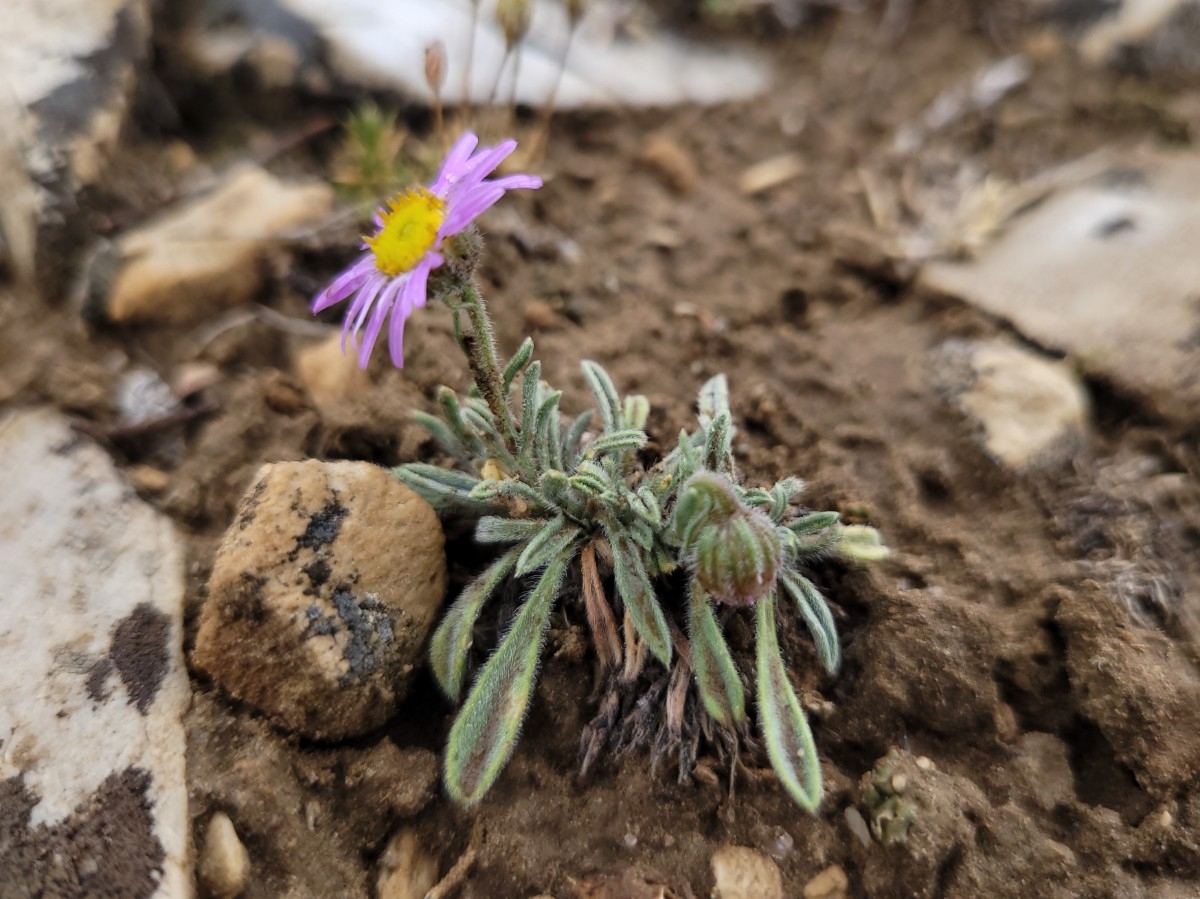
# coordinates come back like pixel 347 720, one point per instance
pixel 393 274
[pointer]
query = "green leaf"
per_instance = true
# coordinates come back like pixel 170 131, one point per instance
pixel 638 595
pixel 517 364
pixel 714 399
pixel 494 529
pixel 813 523
pixel 441 487
pixel 507 491
pixel 451 643
pixel 452 414
pixel 781 497
pixel 817 617
pixel 861 542
pixel 718 447
pixel 605 392
pixel 788 740
pixel 442 433
pixel 637 410
pixel 549 436
pixel 550 541
pixel 617 441
pixel 529 406
pixel 570 447
pixel 486 729
pixel 645 504
pixel 716 676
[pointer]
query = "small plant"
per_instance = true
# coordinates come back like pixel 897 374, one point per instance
pixel 584 497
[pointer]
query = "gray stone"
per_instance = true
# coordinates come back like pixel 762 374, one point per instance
pixel 1107 271
pixel 322 595
pixel 93 688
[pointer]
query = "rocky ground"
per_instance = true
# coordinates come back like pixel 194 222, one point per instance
pixel 946 261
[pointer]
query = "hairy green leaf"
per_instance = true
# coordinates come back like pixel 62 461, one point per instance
pixel 529 406
pixel 486 729
pixel 549 437
pixel 813 523
pixel 617 441
pixel 605 392
pixel 817 617
pixel 451 643
pixel 714 399
pixel 718 448
pixel 858 541
pixel 517 364
pixel 788 740
pixel 637 592
pixel 548 542
pixel 716 676
pixel 637 410
pixel 442 488
pixel 494 529
pixel 570 447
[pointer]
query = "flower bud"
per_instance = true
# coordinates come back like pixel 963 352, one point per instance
pixel 733 549
pixel 435 66
pixel 513 18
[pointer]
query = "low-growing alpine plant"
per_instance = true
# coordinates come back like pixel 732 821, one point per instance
pixel 583 501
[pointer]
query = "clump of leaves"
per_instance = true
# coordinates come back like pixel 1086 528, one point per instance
pixel 370 163
pixel 560 494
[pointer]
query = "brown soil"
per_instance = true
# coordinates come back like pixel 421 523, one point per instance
pixel 1028 637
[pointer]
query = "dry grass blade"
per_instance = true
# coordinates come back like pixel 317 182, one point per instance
pixel 599 615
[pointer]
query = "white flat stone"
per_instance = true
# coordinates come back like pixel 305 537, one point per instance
pixel 1107 271
pixel 93 687
pixel 383 45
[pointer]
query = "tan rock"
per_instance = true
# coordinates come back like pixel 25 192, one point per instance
pixel 1032 410
pixel 322 596
pixel 224 862
pixel 744 873
pixel 207 254
pixel 406 869
pixel 331 377
pixel 832 883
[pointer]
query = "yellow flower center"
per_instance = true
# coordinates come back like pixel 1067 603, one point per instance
pixel 409 231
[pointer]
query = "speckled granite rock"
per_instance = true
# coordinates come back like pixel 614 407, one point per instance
pixel 93 689
pixel 322 596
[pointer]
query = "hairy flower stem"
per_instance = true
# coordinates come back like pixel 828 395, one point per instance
pixel 484 359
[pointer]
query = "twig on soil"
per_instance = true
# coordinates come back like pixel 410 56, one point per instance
pixel 460 869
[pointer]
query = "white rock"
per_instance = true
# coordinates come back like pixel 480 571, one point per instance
pixel 224 862
pixel 1032 410
pixel 68 72
pixel 93 686
pixel 383 45
pixel 72 64
pixel 1107 271
pixel 207 255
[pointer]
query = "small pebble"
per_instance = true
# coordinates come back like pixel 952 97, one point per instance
pixel 671 163
pixel 925 763
pixel 832 883
pixel 743 873
pixel 858 825
pixel 899 782
pixel 224 862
